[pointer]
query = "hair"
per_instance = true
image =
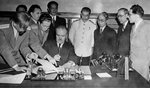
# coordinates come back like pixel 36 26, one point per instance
pixel 21 6
pixel 105 14
pixel 33 7
pixel 125 10
pixel 20 17
pixel 52 2
pixel 87 9
pixel 45 17
pixel 61 27
pixel 137 9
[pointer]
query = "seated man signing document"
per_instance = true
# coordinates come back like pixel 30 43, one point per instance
pixel 61 50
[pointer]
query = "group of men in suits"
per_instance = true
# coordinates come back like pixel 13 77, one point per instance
pixel 21 40
pixel 47 39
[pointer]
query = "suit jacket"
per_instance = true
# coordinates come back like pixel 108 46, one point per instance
pixel 31 22
pixel 66 52
pixel 52 32
pixel 104 42
pixel 12 50
pixel 123 40
pixel 37 40
pixel 140 48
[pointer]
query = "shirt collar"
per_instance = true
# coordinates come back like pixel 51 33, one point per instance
pixel 124 26
pixel 34 20
pixel 138 23
pixel 103 28
pixel 53 17
pixel 83 21
pixel 60 44
pixel 14 30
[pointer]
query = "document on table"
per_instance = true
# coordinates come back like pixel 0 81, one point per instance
pixel 87 77
pixel 86 70
pixel 12 79
pixel 104 75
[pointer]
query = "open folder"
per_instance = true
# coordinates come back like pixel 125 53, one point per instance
pixel 12 79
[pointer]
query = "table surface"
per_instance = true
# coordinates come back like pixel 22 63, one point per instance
pixel 135 81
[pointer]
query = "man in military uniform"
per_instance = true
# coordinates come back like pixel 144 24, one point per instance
pixel 81 36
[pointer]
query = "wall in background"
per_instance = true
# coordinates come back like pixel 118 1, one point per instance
pixel 110 6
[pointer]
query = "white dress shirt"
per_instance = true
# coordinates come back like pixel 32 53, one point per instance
pixel 15 32
pixel 82 37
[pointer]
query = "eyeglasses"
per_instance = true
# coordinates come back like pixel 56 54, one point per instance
pixel 120 16
pixel 101 20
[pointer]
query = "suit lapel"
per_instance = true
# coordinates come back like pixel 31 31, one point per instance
pixel 40 36
pixel 9 34
pixel 19 40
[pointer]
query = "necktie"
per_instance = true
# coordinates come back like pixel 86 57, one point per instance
pixel 100 30
pixel 122 28
pixel 59 47
pixel 53 21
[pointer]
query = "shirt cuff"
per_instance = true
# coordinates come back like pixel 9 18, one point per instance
pixel 27 56
pixel 15 66
pixel 47 55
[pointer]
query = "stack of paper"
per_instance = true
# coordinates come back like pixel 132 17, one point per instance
pixel 12 79
pixel 104 75
pixel 87 72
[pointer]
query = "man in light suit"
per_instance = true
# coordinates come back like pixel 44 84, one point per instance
pixel 11 41
pixel 60 49
pixel 140 41
pixel 38 36
pixel 52 8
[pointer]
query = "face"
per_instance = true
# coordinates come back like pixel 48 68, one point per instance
pixel 122 17
pixel 53 9
pixel 132 17
pixel 85 16
pixel 36 14
pixel 101 21
pixel 45 25
pixel 61 35
pixel 21 28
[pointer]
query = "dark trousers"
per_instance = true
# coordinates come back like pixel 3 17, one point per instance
pixel 83 61
pixel 121 66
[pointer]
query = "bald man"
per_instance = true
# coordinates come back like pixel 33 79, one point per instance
pixel 60 49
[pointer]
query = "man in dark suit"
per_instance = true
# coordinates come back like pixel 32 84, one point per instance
pixel 123 37
pixel 52 8
pixel 104 37
pixel 60 49
pixel 35 13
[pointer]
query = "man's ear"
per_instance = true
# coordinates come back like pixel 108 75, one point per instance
pixel 48 10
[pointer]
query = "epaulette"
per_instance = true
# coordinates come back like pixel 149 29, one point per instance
pixel 92 22
pixel 75 20
pixel 3 26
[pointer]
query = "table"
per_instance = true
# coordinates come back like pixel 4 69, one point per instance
pixel 135 81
